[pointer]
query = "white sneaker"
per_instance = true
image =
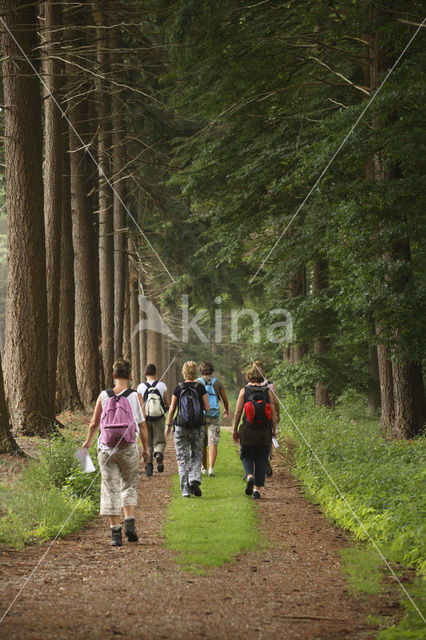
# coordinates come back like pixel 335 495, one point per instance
pixel 203 471
pixel 211 473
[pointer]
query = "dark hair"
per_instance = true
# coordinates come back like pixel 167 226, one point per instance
pixel 122 369
pixel 206 368
pixel 150 370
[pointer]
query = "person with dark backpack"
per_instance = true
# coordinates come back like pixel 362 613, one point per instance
pixel 256 405
pixel 156 400
pixel 190 400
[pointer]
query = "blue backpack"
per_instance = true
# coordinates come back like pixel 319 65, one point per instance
pixel 190 412
pixel 212 397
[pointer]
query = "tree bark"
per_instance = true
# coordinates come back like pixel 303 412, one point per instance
pixel 127 348
pixel 106 226
pixel 7 442
pixel 410 408
pixel 386 387
pixel 373 400
pixel 297 287
pixel 26 357
pixel 322 344
pixel 67 396
pixel 134 320
pixel 52 180
pixel 86 306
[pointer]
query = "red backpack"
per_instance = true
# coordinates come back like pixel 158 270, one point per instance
pixel 257 409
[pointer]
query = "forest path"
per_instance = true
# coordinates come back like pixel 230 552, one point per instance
pixel 86 589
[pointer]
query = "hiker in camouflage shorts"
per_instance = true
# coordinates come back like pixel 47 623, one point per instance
pixel 188 437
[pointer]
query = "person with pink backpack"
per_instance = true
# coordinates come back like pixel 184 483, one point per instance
pixel 119 413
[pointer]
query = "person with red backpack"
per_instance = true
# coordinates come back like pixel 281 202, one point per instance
pixel 190 400
pixel 256 405
pixel 119 413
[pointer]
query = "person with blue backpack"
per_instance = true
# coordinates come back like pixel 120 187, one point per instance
pixel 215 393
pixel 190 401
pixel 119 413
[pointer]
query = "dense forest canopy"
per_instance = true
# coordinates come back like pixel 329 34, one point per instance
pixel 244 164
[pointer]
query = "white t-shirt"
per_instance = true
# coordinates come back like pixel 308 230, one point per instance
pixel 160 386
pixel 138 415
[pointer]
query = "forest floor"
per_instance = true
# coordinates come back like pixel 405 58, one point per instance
pixel 293 587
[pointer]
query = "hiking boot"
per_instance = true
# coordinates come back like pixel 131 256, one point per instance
pixel 256 495
pixel 211 473
pixel 116 538
pixel 129 530
pixel 159 458
pixel 149 468
pixel 195 488
pixel 268 469
pixel 249 486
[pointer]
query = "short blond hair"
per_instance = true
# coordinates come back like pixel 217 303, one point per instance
pixel 254 375
pixel 189 370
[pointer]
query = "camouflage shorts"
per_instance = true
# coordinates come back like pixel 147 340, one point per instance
pixel 120 474
pixel 212 432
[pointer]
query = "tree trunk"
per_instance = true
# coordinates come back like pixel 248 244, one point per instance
pixel 134 320
pixel 120 235
pixel 410 408
pixel 142 340
pixel 67 397
pixel 106 226
pixel 154 349
pixel 52 180
pixel 373 401
pixel 322 344
pixel 127 348
pixel 86 305
pixel 26 358
pixel 7 442
pixel 386 387
pixel 297 287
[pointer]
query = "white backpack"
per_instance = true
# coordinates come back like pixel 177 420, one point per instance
pixel 154 405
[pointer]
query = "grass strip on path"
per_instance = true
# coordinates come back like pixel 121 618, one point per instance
pixel 209 531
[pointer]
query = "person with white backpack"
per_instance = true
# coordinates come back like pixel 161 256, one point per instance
pixel 156 401
pixel 119 414
pixel 215 393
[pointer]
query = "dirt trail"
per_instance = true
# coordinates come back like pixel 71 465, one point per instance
pixel 86 589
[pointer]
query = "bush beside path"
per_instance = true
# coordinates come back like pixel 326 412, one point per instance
pixel 291 587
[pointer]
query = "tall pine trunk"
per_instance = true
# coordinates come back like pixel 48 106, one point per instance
pixel 52 179
pixel 7 442
pixel 26 357
pixel 106 225
pixel 134 321
pixel 322 343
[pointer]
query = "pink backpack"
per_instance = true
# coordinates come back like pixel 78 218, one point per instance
pixel 117 422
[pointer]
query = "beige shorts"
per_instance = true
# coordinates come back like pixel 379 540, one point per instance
pixel 212 432
pixel 120 475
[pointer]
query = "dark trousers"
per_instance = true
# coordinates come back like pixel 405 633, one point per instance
pixel 254 459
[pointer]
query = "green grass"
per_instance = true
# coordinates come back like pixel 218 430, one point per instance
pixel 363 568
pixel 51 496
pixel 209 531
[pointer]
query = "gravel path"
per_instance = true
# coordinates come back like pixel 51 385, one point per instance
pixel 293 588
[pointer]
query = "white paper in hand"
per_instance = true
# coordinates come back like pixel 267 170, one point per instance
pixel 275 442
pixel 85 460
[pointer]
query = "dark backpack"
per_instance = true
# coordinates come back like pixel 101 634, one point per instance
pixel 257 409
pixel 190 412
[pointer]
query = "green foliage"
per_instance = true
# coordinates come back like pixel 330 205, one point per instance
pixel 380 484
pixel 411 627
pixel 208 531
pixel 363 569
pixel 52 496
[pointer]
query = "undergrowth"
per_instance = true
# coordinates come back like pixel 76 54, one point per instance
pixel 52 496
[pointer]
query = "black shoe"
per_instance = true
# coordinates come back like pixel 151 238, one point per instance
pixel 159 458
pixel 195 488
pixel 116 538
pixel 256 495
pixel 149 468
pixel 249 487
pixel 268 469
pixel 129 530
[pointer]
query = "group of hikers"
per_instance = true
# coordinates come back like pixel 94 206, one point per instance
pixel 193 413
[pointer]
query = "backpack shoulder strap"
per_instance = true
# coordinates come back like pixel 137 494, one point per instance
pixel 127 392
pixel 110 393
pixel 213 380
pixel 154 384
